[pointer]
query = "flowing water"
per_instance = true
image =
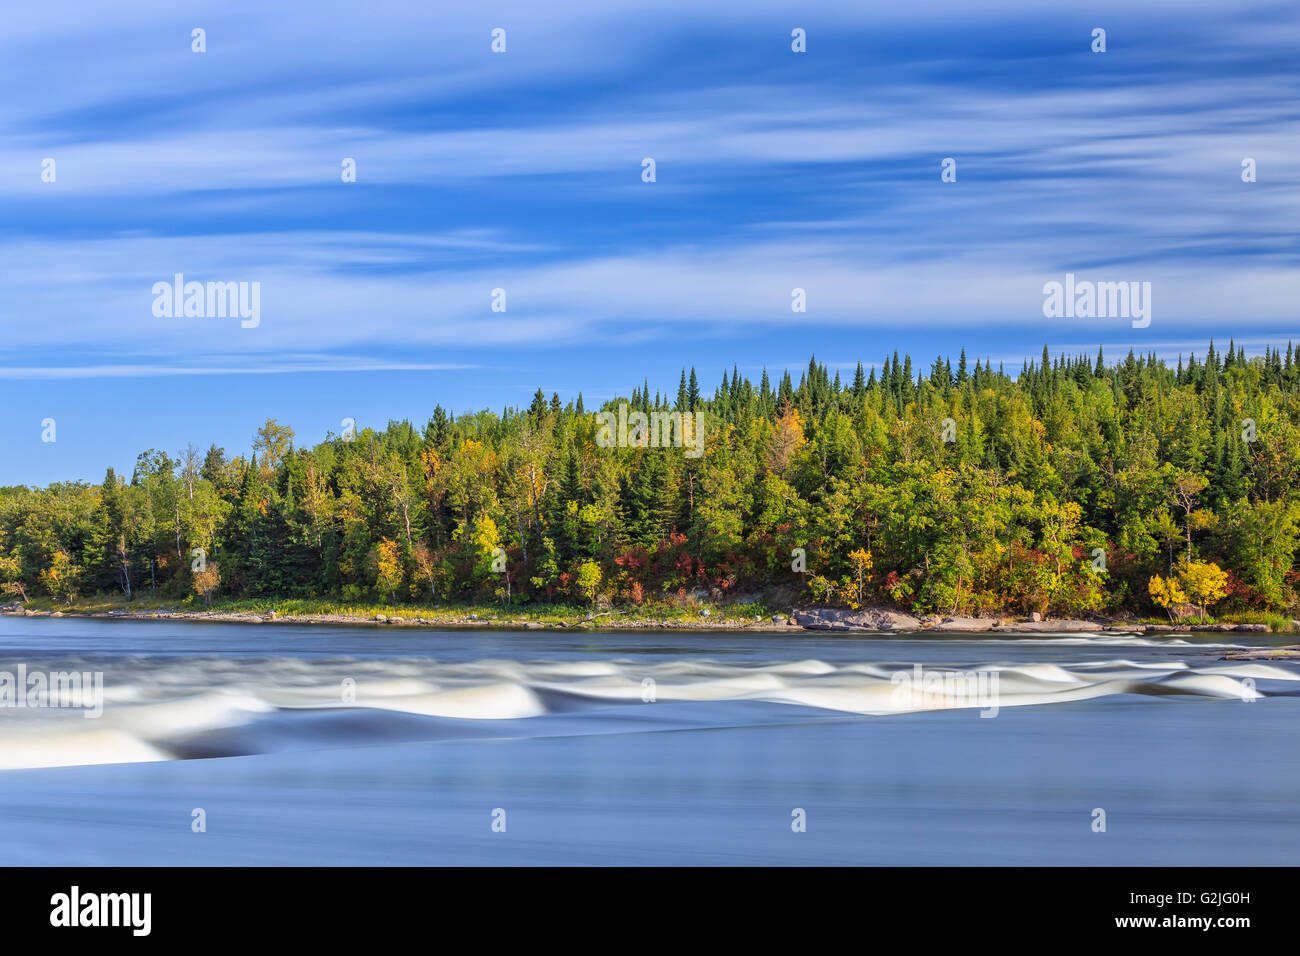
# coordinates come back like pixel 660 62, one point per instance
pixel 362 745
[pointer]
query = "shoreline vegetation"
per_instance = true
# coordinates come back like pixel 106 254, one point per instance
pixel 1120 494
pixel 740 616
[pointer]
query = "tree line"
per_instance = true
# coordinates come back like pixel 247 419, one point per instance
pixel 1071 486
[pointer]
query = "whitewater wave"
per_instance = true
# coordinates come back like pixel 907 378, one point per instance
pixel 181 708
pixel 1060 638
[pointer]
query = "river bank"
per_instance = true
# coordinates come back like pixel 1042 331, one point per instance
pixel 867 620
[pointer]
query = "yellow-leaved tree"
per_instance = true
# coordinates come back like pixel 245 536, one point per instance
pixel 787 438
pixel 1166 593
pixel 388 567
pixel 60 577
pixel 485 540
pixel 862 564
pixel 1204 582
pixel 206 581
pixel 587 580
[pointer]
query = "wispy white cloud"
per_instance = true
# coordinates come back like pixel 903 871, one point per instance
pixel 20 373
pixel 102 297
pixel 225 167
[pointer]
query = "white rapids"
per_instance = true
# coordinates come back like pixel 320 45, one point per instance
pixel 170 708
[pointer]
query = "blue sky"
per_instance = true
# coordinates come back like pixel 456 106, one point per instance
pixel 522 171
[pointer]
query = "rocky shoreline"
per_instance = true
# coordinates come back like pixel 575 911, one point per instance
pixel 884 620
pixel 1289 652
pixel 866 620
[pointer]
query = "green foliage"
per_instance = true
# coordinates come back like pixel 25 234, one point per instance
pixel 959 490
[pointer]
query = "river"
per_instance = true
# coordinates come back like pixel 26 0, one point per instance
pixel 288 744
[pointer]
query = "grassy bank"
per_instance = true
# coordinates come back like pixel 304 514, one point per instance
pixel 1277 623
pixel 647 614
pixel 753 614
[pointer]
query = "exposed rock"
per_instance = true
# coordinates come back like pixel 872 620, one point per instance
pixel 1052 624
pixel 823 624
pixel 1289 652
pixel 835 619
pixel 965 624
pixel 882 619
pixel 1035 616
